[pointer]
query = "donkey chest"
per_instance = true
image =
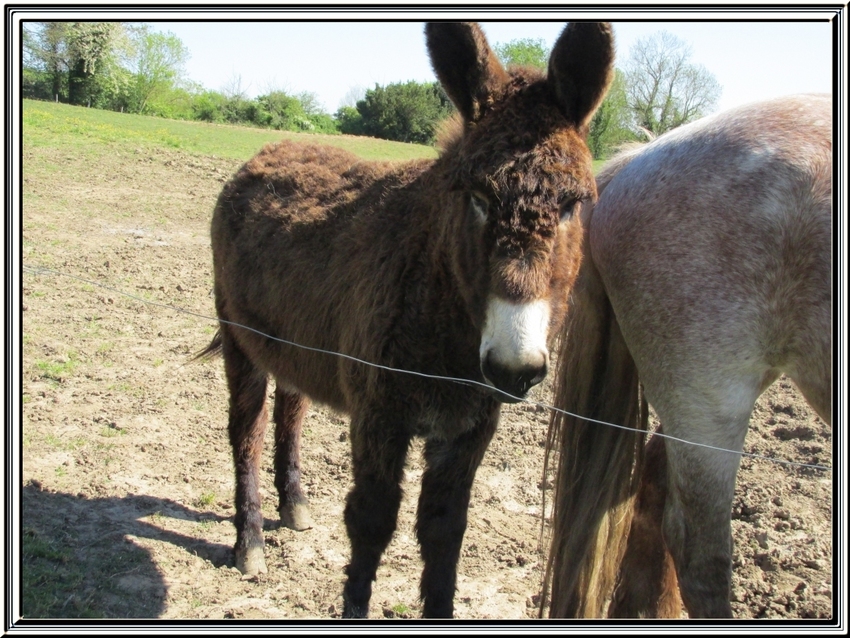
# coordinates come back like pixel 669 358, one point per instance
pixel 444 425
pixel 447 414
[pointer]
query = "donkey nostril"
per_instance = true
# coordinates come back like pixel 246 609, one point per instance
pixel 530 378
pixel 542 371
pixel 510 380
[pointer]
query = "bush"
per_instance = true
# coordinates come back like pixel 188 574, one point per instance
pixel 280 111
pixel 238 110
pixel 324 123
pixel 349 121
pixel 37 85
pixel 408 112
pixel 208 107
pixel 175 104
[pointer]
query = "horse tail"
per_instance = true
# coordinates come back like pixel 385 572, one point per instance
pixel 212 350
pixel 598 466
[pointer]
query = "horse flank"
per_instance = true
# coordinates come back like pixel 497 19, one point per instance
pixel 760 173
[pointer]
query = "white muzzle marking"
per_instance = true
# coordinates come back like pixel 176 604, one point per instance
pixel 515 334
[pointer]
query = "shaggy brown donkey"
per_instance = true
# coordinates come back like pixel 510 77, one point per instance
pixel 458 267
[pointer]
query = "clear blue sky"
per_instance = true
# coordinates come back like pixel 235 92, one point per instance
pixel 751 60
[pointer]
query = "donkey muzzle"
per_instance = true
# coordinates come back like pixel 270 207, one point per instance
pixel 514 355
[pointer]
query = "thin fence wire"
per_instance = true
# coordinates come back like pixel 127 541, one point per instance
pixel 39 270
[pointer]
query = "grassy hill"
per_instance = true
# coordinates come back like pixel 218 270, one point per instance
pixel 60 125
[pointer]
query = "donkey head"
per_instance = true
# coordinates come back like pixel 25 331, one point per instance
pixel 519 173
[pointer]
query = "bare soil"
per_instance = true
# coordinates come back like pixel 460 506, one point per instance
pixel 127 474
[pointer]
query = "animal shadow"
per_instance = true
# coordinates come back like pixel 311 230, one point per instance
pixel 81 557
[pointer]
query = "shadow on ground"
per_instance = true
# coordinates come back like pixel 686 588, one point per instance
pixel 81 557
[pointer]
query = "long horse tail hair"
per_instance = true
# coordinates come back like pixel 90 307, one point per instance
pixel 598 466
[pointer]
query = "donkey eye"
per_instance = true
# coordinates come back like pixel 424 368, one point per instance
pixel 569 209
pixel 479 206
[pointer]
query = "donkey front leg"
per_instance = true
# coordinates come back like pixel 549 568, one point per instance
pixel 442 511
pixel 246 428
pixel 289 410
pixel 378 451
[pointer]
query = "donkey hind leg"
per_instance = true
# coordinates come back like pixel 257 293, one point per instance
pixel 246 428
pixel 646 584
pixel 701 485
pixel 442 511
pixel 378 451
pixel 289 411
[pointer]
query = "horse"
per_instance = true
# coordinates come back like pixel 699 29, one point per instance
pixel 456 267
pixel 707 274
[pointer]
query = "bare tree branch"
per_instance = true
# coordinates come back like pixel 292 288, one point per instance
pixel 664 90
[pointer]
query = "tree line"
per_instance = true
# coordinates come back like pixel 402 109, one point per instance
pixel 131 68
pixel 656 90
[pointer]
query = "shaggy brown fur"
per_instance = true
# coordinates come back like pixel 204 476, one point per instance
pixel 708 274
pixel 408 266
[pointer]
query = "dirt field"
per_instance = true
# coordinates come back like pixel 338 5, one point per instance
pixel 127 494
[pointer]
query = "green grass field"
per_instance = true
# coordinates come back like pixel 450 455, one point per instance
pixel 60 125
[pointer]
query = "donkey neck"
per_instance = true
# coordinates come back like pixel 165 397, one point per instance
pixel 431 252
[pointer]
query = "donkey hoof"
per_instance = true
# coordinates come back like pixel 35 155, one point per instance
pixel 296 516
pixel 251 562
pixel 350 610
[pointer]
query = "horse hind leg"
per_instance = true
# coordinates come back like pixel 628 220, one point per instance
pixel 289 410
pixel 647 586
pixel 246 428
pixel 697 515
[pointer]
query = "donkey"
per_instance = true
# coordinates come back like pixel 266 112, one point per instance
pixel 457 267
pixel 708 273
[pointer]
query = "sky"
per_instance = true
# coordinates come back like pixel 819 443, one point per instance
pixel 751 60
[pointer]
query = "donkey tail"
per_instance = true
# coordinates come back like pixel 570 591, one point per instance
pixel 598 466
pixel 212 350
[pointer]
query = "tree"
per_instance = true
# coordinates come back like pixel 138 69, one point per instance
pixel 611 126
pixel 90 45
pixel 46 60
pixel 349 120
pixel 405 112
pixel 524 52
pixel 663 88
pixel 76 62
pixel 156 64
pixel 310 102
pixel 354 94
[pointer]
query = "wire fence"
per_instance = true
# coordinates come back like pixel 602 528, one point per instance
pixel 469 382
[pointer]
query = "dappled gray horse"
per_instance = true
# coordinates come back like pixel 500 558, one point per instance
pixel 707 274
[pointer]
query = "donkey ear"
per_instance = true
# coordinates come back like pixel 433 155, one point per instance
pixel 581 69
pixel 467 68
